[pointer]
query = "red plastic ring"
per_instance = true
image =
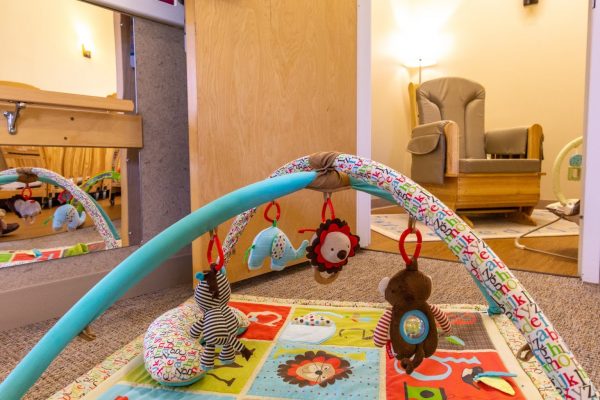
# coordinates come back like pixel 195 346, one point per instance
pixel 214 239
pixel 327 204
pixel 401 242
pixel 268 208
pixel 64 196
pixel 26 196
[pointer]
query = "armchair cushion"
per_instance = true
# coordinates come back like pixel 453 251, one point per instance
pixel 428 149
pixel 425 144
pixel 459 100
pixel 477 166
pixel 507 141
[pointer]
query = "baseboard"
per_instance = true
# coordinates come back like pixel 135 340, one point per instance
pixel 27 305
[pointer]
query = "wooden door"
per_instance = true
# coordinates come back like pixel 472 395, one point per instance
pixel 268 81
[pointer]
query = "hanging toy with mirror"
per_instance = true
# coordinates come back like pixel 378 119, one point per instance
pixel 408 329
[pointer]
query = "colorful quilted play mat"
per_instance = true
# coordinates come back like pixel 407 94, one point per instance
pixel 9 258
pixel 324 350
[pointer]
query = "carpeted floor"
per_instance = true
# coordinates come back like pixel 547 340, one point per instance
pixel 572 306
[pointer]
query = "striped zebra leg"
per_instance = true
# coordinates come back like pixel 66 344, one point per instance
pixel 197 328
pixel 441 318
pixel 241 348
pixel 227 354
pixel 236 344
pixel 207 361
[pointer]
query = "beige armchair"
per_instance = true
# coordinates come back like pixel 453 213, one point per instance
pixel 469 169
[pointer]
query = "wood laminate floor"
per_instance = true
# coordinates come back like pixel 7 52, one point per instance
pixel 38 228
pixel 515 258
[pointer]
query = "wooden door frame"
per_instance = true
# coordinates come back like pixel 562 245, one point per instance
pixel 363 112
pixel 589 252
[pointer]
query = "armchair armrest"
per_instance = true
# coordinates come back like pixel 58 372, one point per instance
pixel 435 151
pixel 535 140
pixel 524 142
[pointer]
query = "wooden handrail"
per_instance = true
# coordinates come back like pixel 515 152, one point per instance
pixel 63 119
pixel 63 100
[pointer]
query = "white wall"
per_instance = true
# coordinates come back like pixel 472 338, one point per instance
pixel 42 46
pixel 589 251
pixel 531 61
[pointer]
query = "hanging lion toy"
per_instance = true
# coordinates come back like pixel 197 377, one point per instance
pixel 331 245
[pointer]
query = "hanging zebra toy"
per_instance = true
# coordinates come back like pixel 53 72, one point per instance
pixel 218 326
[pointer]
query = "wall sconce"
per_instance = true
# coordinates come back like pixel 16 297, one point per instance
pixel 86 51
pixel 84 38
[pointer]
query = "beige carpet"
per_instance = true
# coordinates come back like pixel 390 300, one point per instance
pixel 572 306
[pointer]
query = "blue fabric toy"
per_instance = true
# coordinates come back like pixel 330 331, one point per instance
pixel 272 242
pixel 67 214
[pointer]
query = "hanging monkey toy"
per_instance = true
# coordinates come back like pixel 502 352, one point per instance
pixel 410 325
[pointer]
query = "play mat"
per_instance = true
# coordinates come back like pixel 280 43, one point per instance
pixel 290 359
pixel 9 258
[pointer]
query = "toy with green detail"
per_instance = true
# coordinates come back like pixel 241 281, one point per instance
pixel 273 243
pixel 67 215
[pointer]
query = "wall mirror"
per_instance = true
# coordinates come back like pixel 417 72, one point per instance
pixel 63 181
pixel 42 220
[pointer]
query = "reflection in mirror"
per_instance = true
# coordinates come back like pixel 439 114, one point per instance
pixel 72 47
pixel 69 46
pixel 43 214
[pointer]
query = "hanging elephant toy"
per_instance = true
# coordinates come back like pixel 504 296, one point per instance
pixel 273 243
pixel 67 215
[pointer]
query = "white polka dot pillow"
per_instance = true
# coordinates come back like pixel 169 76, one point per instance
pixel 171 355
